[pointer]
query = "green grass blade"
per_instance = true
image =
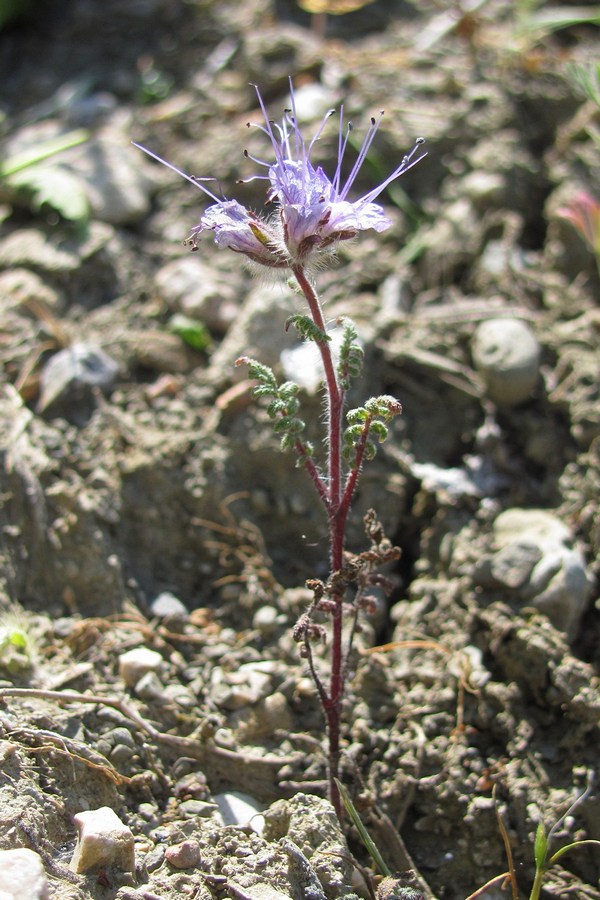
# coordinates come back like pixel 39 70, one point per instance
pixel 364 834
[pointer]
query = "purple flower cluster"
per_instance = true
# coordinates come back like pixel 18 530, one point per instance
pixel 310 210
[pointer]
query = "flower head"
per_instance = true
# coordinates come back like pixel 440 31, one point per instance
pixel 583 212
pixel 310 210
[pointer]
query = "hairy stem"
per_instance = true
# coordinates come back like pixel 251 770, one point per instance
pixel 337 507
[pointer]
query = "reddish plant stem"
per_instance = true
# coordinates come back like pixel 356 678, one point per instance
pixel 335 397
pixel 352 479
pixel 315 476
pixel 337 505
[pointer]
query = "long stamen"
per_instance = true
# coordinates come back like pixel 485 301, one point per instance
pixel 300 145
pixel 320 130
pixel 407 163
pixel 366 146
pixel 195 181
pixel 269 130
pixel 342 144
pixel 255 159
pixel 286 132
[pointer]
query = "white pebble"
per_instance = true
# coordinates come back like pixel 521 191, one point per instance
pixel 237 808
pixel 22 875
pixel 103 841
pixel 136 662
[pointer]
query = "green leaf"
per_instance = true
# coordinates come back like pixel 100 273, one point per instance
pixel 354 416
pixel 288 442
pixel 54 186
pixel 42 151
pixel 351 355
pixel 352 435
pixel 540 847
pixel 261 372
pixel 192 331
pixel 380 431
pixel 307 329
pixel 385 406
pixel 288 389
pixel 573 846
pixel 18 639
pixel 370 451
pixel 555 18
pixel 365 837
pixel 587 78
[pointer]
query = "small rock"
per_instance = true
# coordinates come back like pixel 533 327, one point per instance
pixel 192 786
pixel 185 855
pixel 262 890
pixel 160 351
pixel 168 606
pixel 120 755
pixel 122 735
pixel 22 286
pixel 513 564
pixel 249 684
pixel 265 620
pixel 196 809
pixel 263 719
pixel 71 375
pixel 258 331
pixel 537 556
pixel 135 663
pixel 507 354
pixel 312 101
pixel 103 841
pixel 180 695
pixel 149 687
pixel 30 246
pixel 195 289
pixel 155 858
pixel 117 183
pixel 48 252
pixel 22 875
pixel 483 187
pixel 237 808
pixel 148 811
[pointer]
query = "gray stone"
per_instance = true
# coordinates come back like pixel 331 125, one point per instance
pixel 507 354
pixel 513 565
pixel 302 362
pixel 198 291
pixel 150 687
pixel 557 582
pixel 32 247
pixel 117 182
pixel 249 684
pixel 21 286
pixel 70 377
pixel 258 331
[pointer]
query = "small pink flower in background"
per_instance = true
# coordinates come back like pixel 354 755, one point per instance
pixel 583 212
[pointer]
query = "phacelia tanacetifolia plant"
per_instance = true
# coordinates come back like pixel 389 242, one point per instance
pixel 309 213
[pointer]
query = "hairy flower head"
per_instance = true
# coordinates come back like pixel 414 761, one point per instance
pixel 583 212
pixel 310 210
